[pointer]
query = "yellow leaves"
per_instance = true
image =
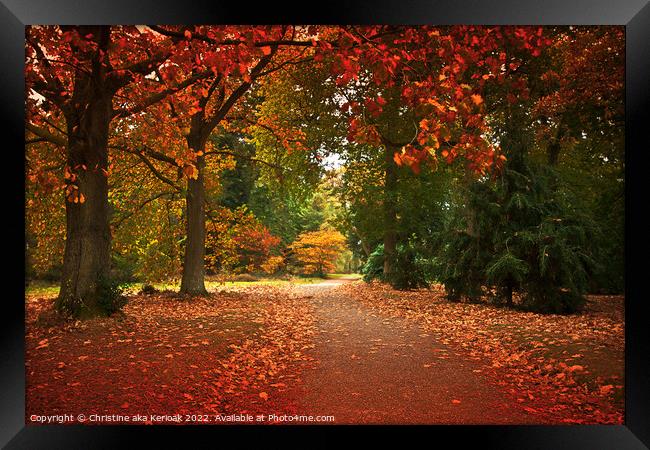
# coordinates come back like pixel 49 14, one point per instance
pixel 437 104
pixel 272 264
pixel 433 142
pixel 477 99
pixel 318 250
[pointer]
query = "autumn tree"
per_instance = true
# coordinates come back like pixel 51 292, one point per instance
pixel 317 251
pixel 238 242
pixel 85 77
pixel 235 57
pixel 415 93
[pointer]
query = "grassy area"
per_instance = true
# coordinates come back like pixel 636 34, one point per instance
pixel 41 288
pixel 343 276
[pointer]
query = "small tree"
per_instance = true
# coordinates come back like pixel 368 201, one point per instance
pixel 317 251
pixel 238 242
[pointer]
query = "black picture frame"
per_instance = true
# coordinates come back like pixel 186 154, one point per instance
pixel 633 14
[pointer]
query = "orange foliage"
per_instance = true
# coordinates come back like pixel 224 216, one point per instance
pixel 237 241
pixel 317 250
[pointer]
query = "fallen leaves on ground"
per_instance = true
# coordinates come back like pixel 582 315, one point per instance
pixel 563 368
pixel 223 354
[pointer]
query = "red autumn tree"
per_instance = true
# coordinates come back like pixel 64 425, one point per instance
pixel 78 80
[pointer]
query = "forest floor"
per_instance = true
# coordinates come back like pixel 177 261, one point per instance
pixel 362 353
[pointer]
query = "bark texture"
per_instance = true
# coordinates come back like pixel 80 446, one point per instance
pixel 86 258
pixel 193 280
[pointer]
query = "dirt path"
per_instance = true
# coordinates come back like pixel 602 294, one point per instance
pixel 374 369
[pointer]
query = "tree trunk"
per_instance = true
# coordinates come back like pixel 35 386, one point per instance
pixel 86 259
pixel 193 280
pixel 365 248
pixel 508 293
pixel 390 211
pixel 470 212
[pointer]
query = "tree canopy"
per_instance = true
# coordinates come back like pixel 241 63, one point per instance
pixel 486 158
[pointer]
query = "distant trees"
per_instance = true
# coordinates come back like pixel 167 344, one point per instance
pixel 317 251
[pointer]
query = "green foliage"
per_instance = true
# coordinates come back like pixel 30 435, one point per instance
pixel 374 266
pixel 506 268
pixel 459 265
pixel 519 235
pixel 412 270
pixel 236 183
pixel 124 268
pixel 110 296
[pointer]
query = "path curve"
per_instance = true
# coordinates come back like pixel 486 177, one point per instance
pixel 378 370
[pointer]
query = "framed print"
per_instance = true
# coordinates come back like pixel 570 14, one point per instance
pixel 389 218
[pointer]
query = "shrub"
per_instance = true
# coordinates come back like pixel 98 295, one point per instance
pixel 148 289
pixel 374 266
pixel 110 296
pixel 412 270
pixel 519 233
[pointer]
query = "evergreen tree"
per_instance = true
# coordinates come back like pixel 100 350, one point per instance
pixel 519 235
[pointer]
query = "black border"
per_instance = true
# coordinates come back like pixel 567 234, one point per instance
pixel 634 14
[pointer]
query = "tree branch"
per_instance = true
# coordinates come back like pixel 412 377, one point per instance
pixel 46 134
pixel 155 98
pixel 142 205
